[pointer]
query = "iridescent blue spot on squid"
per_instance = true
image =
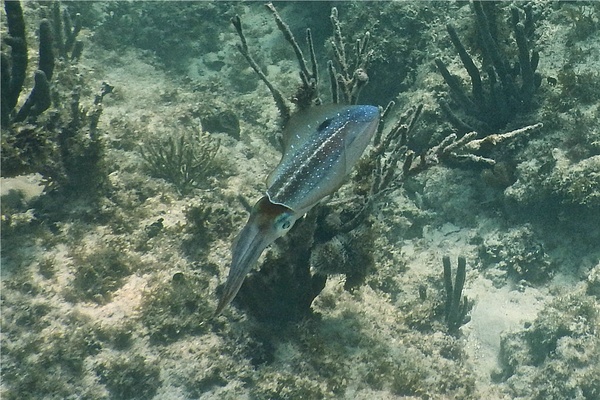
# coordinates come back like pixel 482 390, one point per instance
pixel 321 146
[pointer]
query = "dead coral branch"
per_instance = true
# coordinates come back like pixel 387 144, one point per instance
pixel 282 106
pixel 308 93
pixel 348 82
pixel 467 149
pixel 352 76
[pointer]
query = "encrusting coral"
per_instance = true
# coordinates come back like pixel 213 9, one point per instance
pixel 518 255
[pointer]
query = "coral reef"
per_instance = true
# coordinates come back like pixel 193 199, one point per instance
pixel 509 87
pixel 168 28
pixel 347 254
pixel 108 276
pixel 563 183
pixel 395 23
pixel 65 33
pixel 285 287
pixel 263 293
pixel 593 281
pixel 64 146
pixel 576 183
pixel 222 121
pixel 14 68
pixel 332 227
pixel 352 76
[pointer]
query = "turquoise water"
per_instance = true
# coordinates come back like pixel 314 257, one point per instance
pixel 122 196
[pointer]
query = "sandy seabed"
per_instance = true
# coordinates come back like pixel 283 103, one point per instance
pixel 112 298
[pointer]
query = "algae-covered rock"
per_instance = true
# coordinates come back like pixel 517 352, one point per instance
pixel 173 309
pixel 557 356
pixel 100 271
pixel 593 282
pixel 114 299
pixel 518 254
pixel 576 183
pixel 557 182
pixel 44 351
pixel 225 121
pixel 128 377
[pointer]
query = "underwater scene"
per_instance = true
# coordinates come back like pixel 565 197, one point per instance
pixel 300 200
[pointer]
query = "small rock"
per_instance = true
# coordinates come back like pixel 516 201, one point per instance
pixel 222 121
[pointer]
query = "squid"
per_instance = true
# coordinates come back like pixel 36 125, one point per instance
pixel 321 145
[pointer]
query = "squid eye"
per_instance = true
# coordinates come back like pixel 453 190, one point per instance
pixel 324 124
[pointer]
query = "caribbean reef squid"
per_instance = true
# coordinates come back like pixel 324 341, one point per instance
pixel 321 145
